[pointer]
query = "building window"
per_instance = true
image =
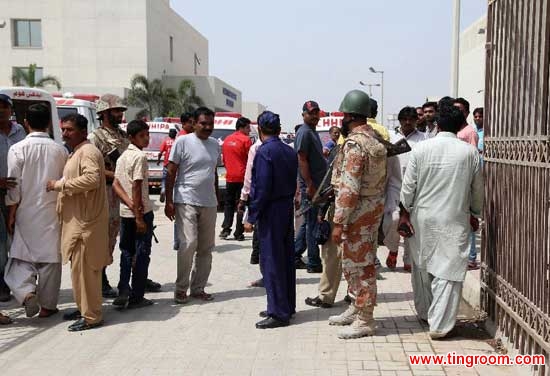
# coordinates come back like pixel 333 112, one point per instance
pixel 27 33
pixel 21 76
pixel 171 49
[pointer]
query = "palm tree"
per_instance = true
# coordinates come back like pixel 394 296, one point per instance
pixel 27 77
pixel 188 99
pixel 143 93
pixel 151 96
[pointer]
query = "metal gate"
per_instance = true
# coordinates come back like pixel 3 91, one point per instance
pixel 515 272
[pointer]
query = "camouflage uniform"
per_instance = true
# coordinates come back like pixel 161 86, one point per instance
pixel 107 140
pixel 359 179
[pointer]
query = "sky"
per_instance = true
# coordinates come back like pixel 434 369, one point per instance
pixel 285 52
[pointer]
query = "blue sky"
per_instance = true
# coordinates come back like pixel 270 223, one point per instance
pixel 282 53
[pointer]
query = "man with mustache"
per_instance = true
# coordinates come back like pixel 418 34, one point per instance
pixel 193 204
pixel 84 216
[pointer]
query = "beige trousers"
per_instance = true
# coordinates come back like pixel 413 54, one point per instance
pixel 331 257
pixel 196 227
pixel 86 286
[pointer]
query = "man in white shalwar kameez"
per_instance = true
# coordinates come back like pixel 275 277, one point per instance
pixel 33 272
pixel 442 188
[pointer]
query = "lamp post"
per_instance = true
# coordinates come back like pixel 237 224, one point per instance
pixel 369 85
pixel 455 56
pixel 382 88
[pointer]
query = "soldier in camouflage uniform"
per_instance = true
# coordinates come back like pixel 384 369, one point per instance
pixel 112 142
pixel 359 180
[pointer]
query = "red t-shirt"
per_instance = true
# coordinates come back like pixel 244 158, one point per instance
pixel 165 148
pixel 183 132
pixel 235 153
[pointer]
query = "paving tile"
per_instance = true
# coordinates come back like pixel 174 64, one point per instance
pixel 219 337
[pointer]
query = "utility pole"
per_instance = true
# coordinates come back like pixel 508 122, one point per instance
pixel 455 55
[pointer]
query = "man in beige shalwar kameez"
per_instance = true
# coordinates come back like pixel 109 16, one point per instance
pixel 84 213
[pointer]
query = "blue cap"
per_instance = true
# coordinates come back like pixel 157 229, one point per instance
pixel 269 120
pixel 6 99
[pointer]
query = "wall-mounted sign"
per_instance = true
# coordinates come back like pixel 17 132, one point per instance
pixel 230 103
pixel 229 93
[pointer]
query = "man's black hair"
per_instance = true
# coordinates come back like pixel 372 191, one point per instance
pixel 136 126
pixel 79 121
pixel 478 110
pixel 373 108
pixel 242 122
pixel 463 102
pixel 450 119
pixel 38 116
pixel 429 104
pixel 185 117
pixel 407 113
pixel 202 111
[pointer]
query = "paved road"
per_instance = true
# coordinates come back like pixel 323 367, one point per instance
pixel 219 337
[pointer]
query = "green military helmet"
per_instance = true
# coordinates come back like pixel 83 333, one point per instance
pixel 110 101
pixel 356 102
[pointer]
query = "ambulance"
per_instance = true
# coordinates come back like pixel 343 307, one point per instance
pixel 23 97
pixel 158 131
pixel 83 104
pixel 327 121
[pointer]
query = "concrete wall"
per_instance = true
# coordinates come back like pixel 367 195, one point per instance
pixel 252 110
pixel 471 84
pixel 99 45
pixel 163 23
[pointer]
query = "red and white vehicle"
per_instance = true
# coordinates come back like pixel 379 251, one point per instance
pixel 83 104
pixel 158 131
pixel 327 121
pixel 23 97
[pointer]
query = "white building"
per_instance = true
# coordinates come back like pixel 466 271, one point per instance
pixel 252 110
pixel 97 46
pixel 217 94
pixel 471 82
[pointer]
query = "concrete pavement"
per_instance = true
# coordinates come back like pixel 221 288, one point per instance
pixel 219 337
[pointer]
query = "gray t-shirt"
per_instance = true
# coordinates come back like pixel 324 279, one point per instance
pixel 309 142
pixel 197 160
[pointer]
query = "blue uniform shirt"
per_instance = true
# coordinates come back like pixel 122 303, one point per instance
pixel 274 174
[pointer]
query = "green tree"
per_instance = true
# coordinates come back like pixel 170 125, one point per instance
pixel 27 77
pixel 151 96
pixel 188 100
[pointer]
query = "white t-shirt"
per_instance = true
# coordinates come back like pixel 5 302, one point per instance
pixel 197 160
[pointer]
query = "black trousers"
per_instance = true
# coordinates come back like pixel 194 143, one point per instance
pixel 232 196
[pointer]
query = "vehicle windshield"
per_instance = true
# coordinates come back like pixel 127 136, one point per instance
pixel 155 140
pixel 64 111
pixel 221 134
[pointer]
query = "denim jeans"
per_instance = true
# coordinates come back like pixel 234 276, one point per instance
pixel 473 249
pixel 138 246
pixel 310 224
pixel 163 180
pixel 300 244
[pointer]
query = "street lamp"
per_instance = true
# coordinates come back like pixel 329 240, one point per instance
pixel 369 85
pixel 382 88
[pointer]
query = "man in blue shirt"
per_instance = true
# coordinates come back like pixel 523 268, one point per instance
pixel 271 209
pixel 313 166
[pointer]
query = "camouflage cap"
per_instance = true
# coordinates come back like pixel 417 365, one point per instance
pixel 110 101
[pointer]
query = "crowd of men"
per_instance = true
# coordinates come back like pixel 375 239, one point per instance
pixel 367 186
